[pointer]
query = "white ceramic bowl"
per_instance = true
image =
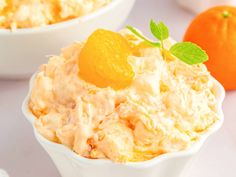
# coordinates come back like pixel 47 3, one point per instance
pixel 198 6
pixel 3 173
pixel 71 164
pixel 23 50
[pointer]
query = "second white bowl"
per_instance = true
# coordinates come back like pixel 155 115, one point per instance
pixel 198 6
pixel 23 50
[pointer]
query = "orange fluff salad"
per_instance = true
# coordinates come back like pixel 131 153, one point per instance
pixel 35 13
pixel 113 97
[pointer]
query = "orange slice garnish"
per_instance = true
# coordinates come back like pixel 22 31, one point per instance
pixel 103 60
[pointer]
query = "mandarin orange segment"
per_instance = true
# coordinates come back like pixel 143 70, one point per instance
pixel 103 60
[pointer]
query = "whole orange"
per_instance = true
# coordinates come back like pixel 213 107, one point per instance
pixel 215 31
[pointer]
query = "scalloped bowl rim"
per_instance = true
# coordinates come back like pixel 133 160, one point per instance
pixel 195 147
pixel 62 24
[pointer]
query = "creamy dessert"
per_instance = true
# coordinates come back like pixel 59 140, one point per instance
pixel 116 97
pixel 35 13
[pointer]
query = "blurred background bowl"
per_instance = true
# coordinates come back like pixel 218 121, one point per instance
pixel 198 6
pixel 23 50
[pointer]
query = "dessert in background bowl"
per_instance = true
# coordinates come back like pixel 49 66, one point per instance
pixel 25 41
pixel 123 105
pixel 36 13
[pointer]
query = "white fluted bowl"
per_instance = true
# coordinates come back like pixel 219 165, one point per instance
pixel 24 50
pixel 71 164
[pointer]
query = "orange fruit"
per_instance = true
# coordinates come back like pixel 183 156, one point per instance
pixel 215 31
pixel 103 60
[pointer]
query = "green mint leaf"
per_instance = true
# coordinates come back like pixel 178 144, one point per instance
pixel 160 30
pixel 149 42
pixel 189 53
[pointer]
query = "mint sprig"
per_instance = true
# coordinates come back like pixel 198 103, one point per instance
pixel 133 30
pixel 187 52
pixel 160 30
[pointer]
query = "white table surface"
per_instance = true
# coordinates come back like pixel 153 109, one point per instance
pixel 22 156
